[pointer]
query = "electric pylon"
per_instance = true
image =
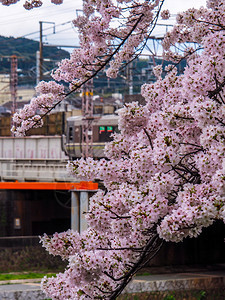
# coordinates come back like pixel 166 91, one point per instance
pixel 13 81
pixel 87 122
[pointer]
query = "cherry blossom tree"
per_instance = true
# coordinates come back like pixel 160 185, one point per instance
pixel 164 173
pixel 111 33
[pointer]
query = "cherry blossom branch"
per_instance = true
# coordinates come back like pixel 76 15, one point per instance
pixel 184 58
pixel 218 89
pixel 189 154
pixel 114 213
pixel 210 23
pixel 220 121
pixel 149 138
pixel 154 244
pixel 134 30
pixel 100 68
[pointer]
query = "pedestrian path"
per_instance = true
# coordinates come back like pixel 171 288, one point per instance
pixel 22 290
pixel 177 281
pixel 192 280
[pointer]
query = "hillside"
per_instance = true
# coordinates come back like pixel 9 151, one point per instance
pixel 26 49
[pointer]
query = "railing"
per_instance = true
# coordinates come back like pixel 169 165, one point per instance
pixel 34 170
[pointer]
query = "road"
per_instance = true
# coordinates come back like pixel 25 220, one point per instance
pixel 191 280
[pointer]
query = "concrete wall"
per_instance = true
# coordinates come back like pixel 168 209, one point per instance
pixel 41 147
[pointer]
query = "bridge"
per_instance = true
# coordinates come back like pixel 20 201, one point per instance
pixel 38 163
pixel 36 158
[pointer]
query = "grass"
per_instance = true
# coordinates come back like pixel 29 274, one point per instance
pixel 143 274
pixel 27 275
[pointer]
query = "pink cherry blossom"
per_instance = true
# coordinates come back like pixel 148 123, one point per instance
pixel 164 172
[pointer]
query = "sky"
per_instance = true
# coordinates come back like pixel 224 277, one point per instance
pixel 17 22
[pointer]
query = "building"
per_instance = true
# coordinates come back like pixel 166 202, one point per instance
pixel 24 93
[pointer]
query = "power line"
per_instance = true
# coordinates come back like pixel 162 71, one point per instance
pixel 29 16
pixel 61 24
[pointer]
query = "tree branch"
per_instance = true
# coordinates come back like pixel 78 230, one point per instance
pixel 154 243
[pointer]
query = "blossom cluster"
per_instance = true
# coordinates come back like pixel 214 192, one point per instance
pixel 165 14
pixel 165 170
pixel 8 2
pixel 103 46
pixel 164 173
pixel 29 4
pixel 50 94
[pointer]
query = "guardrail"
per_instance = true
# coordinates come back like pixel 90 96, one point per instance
pixel 34 170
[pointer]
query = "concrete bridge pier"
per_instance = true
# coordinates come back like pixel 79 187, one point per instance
pixel 79 206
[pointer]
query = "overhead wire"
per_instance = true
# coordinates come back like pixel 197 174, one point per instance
pixel 44 29
pixel 12 19
pixel 47 34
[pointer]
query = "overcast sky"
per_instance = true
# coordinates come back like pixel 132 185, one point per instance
pixel 17 22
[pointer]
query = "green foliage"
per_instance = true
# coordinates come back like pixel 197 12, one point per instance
pixel 202 295
pixel 169 297
pixel 25 50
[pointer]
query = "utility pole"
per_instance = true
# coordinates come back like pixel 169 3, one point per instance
pixel 130 77
pixel 87 120
pixel 40 52
pixel 37 67
pixel 40 73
